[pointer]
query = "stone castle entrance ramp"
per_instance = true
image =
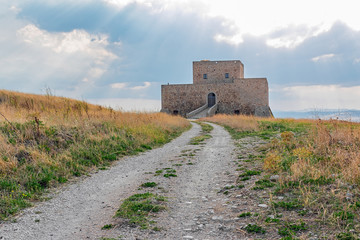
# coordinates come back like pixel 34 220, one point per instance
pixel 79 210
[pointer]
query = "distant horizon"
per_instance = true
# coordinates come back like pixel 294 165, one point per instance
pixel 153 105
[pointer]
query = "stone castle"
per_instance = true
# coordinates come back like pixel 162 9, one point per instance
pixel 218 87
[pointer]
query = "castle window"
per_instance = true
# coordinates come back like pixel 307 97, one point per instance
pixel 226 75
pixel 205 76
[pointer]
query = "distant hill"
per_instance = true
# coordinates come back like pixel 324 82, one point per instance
pixel 342 114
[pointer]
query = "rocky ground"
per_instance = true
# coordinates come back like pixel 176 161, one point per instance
pixel 205 199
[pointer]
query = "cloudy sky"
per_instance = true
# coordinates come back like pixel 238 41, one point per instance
pixel 119 52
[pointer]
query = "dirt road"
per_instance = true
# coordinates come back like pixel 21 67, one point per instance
pixel 195 208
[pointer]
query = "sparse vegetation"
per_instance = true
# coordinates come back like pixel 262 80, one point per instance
pixel 46 140
pixel 206 129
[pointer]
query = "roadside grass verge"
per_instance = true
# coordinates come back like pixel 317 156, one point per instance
pixel 317 169
pixel 47 140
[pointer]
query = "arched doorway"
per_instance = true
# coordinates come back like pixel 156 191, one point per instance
pixel 211 99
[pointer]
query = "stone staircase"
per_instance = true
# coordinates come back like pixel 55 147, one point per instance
pixel 201 114
pixel 203 111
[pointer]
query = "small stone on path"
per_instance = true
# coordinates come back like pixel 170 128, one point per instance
pixel 188 237
pixel 274 178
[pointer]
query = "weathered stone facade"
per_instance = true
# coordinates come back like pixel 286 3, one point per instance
pixel 234 94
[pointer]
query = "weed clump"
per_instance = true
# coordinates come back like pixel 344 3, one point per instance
pixel 245 214
pixel 253 228
pixel 149 184
pixel 138 208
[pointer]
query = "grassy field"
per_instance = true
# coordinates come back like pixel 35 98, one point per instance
pixel 47 140
pixel 318 165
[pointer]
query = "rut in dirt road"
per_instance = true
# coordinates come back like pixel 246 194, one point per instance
pixel 194 206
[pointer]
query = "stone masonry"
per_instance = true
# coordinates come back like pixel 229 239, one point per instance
pixel 234 94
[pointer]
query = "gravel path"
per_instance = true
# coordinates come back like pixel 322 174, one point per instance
pixel 195 208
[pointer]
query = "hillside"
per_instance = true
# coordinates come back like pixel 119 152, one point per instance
pixel 47 140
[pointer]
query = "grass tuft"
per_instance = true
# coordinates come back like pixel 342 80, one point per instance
pixel 138 207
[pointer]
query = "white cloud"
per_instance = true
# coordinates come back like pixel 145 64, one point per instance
pixel 124 85
pixel 15 9
pixel 146 85
pixel 262 17
pixel 67 42
pixel 297 98
pixel 324 57
pixel 232 40
pixel 129 104
pixel 32 57
pixel 119 85
pixel 292 36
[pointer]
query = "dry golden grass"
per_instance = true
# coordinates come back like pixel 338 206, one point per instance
pixel 238 122
pixel 45 140
pixel 320 148
pixel 21 107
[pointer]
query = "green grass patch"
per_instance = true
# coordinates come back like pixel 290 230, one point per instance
pixel 169 175
pixel 254 228
pixel 262 184
pixel 205 128
pixel 344 215
pixel 199 139
pixel 291 229
pixel 149 184
pixel 272 220
pixel 138 208
pixel 245 178
pixel 346 236
pixel 107 226
pixel 245 214
pixel 250 173
pixel 291 205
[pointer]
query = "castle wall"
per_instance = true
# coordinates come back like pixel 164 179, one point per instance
pixel 246 95
pixel 215 71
